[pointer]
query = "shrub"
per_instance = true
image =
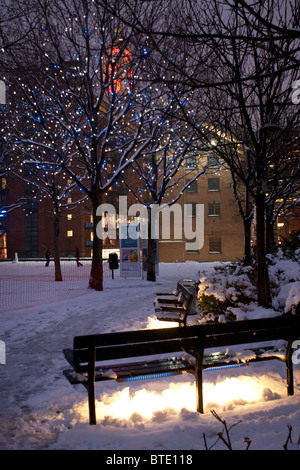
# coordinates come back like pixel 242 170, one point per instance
pixel 227 289
pixel 291 246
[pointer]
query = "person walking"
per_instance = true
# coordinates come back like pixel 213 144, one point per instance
pixel 47 255
pixel 77 258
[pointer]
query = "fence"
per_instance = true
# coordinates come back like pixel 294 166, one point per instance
pixel 28 283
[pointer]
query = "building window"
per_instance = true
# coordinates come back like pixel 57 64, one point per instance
pixel 213 184
pixel 69 200
pixel 69 216
pixel 215 245
pixel 212 160
pixel 191 163
pixel 70 233
pixel 192 187
pixel 214 208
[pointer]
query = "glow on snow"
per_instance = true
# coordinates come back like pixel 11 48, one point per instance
pixel 145 404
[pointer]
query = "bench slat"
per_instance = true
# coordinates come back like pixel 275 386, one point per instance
pixel 210 335
pixel 179 302
pixel 137 349
pixel 124 372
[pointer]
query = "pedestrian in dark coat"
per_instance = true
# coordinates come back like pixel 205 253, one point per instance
pixel 77 258
pixel 47 255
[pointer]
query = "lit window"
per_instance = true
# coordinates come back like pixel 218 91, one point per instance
pixel 69 200
pixel 70 233
pixel 69 216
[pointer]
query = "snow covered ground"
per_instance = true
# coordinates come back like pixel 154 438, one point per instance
pixel 40 410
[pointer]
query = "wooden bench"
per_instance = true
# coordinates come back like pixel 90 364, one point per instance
pixel 178 305
pixel 90 352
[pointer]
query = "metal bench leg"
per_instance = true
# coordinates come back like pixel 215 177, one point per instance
pixel 91 384
pixel 289 369
pixel 199 381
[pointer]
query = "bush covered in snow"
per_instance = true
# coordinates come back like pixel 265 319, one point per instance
pixel 291 246
pixel 228 293
pixel 225 290
pixel 284 271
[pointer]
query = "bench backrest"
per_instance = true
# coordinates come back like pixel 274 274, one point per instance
pixel 186 295
pixel 189 339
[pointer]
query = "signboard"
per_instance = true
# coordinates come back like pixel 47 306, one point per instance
pixel 130 265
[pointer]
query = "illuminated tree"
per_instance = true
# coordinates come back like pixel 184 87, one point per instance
pixel 160 167
pixel 78 81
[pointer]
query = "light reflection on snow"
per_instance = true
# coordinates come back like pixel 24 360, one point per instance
pixel 154 323
pixel 142 405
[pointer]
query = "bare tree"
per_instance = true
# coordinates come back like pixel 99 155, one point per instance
pixel 200 24
pixel 259 119
pixel 245 60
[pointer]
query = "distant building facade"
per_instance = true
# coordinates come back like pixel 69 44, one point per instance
pixel 223 225
pixel 28 229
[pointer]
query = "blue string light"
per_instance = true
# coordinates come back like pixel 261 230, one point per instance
pixel 150 376
pixel 230 366
pixel 168 374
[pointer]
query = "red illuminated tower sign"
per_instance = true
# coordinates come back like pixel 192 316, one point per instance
pixel 121 59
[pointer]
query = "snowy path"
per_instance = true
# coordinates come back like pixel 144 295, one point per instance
pixel 35 336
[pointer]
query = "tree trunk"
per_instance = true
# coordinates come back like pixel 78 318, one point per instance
pixel 58 275
pixel 270 235
pixel 151 276
pixel 96 274
pixel 247 234
pixel 263 285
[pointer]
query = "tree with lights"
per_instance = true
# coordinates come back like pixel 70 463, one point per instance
pixel 46 179
pixel 160 167
pixel 79 82
pixel 38 167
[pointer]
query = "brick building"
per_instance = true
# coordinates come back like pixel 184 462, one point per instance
pixel 223 225
pixel 28 229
